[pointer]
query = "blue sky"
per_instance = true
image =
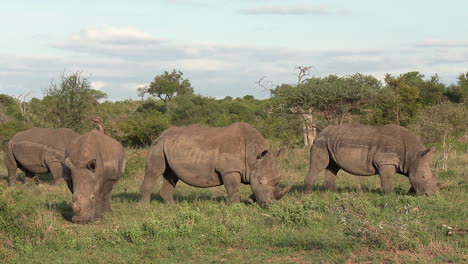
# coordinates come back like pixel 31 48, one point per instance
pixel 224 47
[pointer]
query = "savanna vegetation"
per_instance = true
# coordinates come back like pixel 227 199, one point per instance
pixel 356 224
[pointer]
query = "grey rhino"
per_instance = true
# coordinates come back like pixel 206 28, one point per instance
pixel 366 150
pixel 211 156
pixel 94 163
pixel 38 150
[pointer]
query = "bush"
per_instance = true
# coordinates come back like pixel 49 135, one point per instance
pixel 16 216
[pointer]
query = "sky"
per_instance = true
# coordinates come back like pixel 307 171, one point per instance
pixel 225 47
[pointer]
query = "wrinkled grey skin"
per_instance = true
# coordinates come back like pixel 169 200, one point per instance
pixel 38 150
pixel 94 163
pixel 212 156
pixel 365 150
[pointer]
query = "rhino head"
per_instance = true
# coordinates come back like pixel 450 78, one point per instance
pixel 264 182
pixel 420 174
pixel 87 185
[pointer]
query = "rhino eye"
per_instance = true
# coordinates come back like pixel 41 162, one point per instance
pixel 262 154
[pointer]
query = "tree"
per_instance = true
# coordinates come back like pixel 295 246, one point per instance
pixel 71 102
pixel 442 123
pixel 11 118
pixel 142 91
pixel 432 91
pixel 458 93
pixel 323 101
pixel 165 86
pixel 143 127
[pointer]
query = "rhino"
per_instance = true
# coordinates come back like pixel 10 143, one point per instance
pixel 212 156
pixel 94 162
pixel 367 150
pixel 38 150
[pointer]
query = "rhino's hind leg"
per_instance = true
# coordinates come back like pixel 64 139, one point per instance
pixel 155 167
pixel 330 176
pixel 232 181
pixel 319 160
pixel 167 189
pixel 386 173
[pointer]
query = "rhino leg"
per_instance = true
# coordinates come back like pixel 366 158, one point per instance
pixel 330 176
pixel 319 160
pixel 232 181
pixel 29 177
pixel 148 184
pixel 10 163
pixel 106 196
pixel 167 189
pixel 386 173
pixel 155 167
pixel 56 169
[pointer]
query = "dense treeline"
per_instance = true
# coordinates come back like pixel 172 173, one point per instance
pixel 292 115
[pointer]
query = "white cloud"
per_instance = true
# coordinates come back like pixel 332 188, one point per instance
pixel 214 68
pixel 185 2
pixel 134 86
pixel 435 42
pixel 111 34
pixel 205 64
pixel 294 10
pixel 98 85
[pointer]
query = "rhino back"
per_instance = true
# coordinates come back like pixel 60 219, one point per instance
pixel 53 138
pixel 33 147
pixel 358 149
pixel 197 154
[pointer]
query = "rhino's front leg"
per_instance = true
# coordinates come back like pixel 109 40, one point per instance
pixel 107 189
pixel 56 169
pixel 231 181
pixel 386 173
pixel 11 164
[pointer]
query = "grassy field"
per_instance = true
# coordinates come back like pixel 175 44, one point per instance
pixel 356 224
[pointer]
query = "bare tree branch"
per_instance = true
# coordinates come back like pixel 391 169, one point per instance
pixel 266 84
pixel 304 71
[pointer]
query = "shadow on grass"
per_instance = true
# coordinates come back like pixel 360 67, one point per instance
pixel 192 197
pixel 354 189
pixel 63 207
pixel 37 179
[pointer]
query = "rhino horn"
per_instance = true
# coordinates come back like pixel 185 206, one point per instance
pixel 428 151
pixel 68 163
pixel 280 192
pixel 441 185
pixel 274 182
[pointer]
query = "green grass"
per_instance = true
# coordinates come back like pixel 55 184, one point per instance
pixel 356 224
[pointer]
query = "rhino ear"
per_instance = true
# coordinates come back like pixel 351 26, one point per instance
pixel 280 152
pixel 91 165
pixel 426 152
